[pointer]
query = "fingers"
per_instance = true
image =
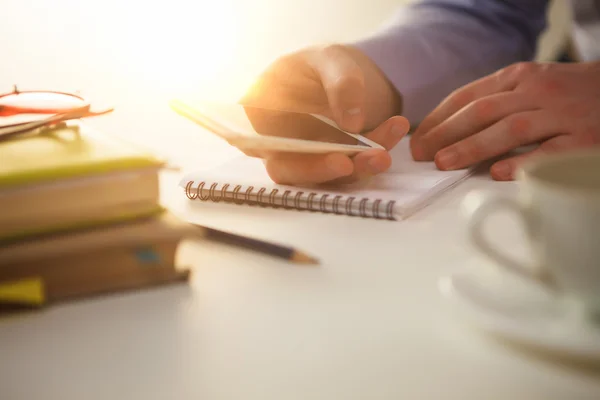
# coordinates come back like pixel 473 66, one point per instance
pixel 273 95
pixel 308 169
pixel 389 133
pixel 287 84
pixel 295 169
pixel 469 120
pixel 374 162
pixel 366 165
pixel 508 134
pixel 344 84
pixel 504 80
pixel 505 170
pixel 301 169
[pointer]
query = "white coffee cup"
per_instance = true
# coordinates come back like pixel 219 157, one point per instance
pixel 559 205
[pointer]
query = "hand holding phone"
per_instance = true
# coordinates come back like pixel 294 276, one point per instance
pixel 345 85
pixel 257 130
pixel 298 148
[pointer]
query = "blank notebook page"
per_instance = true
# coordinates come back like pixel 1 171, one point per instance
pixel 396 194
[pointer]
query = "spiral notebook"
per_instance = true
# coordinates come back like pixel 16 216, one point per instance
pixel 407 187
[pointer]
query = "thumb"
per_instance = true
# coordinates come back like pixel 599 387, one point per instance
pixel 344 85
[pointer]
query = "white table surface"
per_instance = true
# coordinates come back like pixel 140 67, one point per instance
pixel 368 323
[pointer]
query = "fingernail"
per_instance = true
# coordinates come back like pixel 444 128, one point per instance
pixel 446 159
pixel 502 170
pixel 397 131
pixel 350 119
pixel 375 166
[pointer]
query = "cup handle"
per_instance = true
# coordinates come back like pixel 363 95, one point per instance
pixel 478 207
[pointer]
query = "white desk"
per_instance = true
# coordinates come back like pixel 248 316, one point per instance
pixel 367 324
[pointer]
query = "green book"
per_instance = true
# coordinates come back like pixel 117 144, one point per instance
pixel 72 177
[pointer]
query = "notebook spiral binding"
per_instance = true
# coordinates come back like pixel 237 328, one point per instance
pixel 301 200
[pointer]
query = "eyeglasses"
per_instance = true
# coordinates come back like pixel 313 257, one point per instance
pixel 26 111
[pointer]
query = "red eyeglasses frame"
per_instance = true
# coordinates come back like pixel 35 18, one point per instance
pixel 57 115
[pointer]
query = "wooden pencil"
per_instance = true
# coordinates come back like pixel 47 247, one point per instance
pixel 269 248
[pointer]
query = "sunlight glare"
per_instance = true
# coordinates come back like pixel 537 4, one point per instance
pixel 190 47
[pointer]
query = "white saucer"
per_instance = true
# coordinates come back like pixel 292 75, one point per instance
pixel 521 312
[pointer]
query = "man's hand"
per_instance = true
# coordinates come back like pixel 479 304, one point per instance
pixel 340 83
pixel 553 105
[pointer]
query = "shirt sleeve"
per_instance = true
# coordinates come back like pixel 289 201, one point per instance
pixel 431 47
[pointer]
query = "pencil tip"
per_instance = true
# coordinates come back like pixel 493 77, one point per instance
pixel 303 258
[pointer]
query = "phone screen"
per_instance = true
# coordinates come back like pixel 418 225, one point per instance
pixel 252 121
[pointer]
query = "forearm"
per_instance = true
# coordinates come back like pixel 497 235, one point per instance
pixel 432 47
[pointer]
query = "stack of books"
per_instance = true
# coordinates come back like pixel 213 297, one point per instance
pixel 80 215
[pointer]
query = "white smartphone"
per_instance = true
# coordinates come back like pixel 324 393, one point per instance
pixel 260 129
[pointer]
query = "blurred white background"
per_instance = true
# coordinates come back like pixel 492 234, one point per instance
pixel 137 54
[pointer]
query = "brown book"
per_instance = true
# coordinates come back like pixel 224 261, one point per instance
pixel 96 261
pixel 111 269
